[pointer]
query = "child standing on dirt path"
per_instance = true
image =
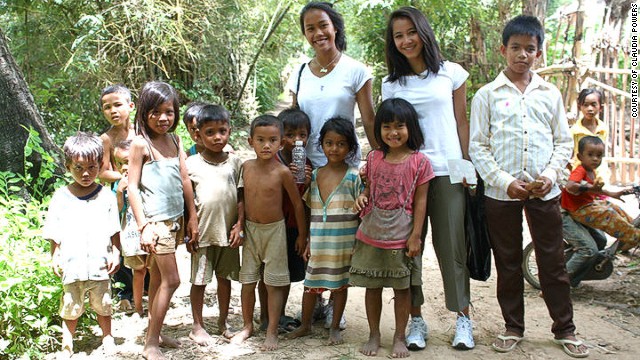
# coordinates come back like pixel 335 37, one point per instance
pixel 82 225
pixel 264 182
pixel 518 124
pixel 215 175
pixel 393 207
pixel 333 224
pixel 160 193
pixel 297 127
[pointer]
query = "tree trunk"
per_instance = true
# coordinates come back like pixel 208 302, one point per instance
pixel 17 112
pixel 537 8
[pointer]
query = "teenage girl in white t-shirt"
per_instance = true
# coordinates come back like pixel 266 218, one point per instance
pixel 331 83
pixel 436 88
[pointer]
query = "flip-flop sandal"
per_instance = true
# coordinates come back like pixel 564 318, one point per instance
pixel 504 338
pixel 576 344
pixel 287 324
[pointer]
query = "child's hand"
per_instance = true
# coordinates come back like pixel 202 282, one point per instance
pixel 363 175
pixel 617 194
pixel 360 203
pixel 307 252
pixel 516 190
pixel 414 245
pixel 192 230
pixel 56 266
pixel 122 185
pixel 113 262
pixel 236 236
pixel 544 189
pixel 148 240
pixel 301 246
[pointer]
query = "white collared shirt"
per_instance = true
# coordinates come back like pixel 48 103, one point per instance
pixel 513 132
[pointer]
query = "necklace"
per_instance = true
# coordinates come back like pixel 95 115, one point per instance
pixel 323 69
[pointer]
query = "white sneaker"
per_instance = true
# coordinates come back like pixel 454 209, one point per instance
pixel 418 332
pixel 328 320
pixel 463 339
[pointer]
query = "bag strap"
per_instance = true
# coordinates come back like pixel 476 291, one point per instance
pixel 298 85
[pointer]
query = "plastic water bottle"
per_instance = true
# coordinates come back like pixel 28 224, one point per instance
pixel 299 159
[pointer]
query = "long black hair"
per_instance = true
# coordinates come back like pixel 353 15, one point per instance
pixel 400 110
pixel 334 16
pixel 397 64
pixel 152 95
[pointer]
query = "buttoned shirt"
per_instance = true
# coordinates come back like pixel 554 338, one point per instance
pixel 513 132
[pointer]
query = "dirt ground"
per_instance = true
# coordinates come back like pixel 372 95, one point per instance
pixel 606 313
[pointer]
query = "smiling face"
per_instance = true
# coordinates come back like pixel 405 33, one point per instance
pixel 591 106
pixel 395 134
pixel 214 135
pixel 319 31
pixel 591 156
pixel 161 118
pixel 116 108
pixel 266 141
pixel 407 41
pixel 521 52
pixel 84 171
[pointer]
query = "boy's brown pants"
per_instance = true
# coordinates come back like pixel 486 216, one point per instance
pixel 504 220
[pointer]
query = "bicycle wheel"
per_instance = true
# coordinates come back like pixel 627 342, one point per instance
pixel 529 266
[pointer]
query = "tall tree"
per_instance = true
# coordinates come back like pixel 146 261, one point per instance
pixel 18 113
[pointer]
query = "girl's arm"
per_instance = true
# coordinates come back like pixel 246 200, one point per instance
pixel 462 124
pixel 414 243
pixel 365 105
pixel 191 218
pixel 363 199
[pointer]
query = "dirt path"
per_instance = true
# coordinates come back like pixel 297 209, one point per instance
pixel 606 314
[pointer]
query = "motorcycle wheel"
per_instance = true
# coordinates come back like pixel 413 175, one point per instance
pixel 529 266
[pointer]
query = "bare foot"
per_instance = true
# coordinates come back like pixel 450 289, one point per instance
pixel 224 329
pixel 243 335
pixel 299 332
pixel 270 342
pixel 169 342
pixel 399 349
pixel 370 348
pixel 201 337
pixel 335 337
pixel 152 353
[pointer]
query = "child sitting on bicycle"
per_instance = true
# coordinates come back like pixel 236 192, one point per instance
pixel 579 197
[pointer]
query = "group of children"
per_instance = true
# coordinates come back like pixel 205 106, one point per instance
pixel 342 227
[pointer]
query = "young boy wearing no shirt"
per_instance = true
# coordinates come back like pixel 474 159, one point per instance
pixel 82 225
pixel 116 106
pixel 264 181
pixel 214 174
pixel 519 132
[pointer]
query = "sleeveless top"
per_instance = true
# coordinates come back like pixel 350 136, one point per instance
pixel 161 187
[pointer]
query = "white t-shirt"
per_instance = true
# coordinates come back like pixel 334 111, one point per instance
pixel 432 97
pixel 215 188
pixel 83 230
pixel 327 97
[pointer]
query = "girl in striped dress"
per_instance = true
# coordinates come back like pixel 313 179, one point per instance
pixel 333 224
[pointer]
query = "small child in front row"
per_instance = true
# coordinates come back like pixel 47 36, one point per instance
pixel 393 207
pixel 264 182
pixel 215 175
pixel 579 196
pixel 331 198
pixel 82 226
pixel 134 257
pixel 297 127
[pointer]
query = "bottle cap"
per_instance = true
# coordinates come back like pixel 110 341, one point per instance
pixel 299 143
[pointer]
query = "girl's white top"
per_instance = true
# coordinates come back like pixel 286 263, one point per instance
pixel 331 95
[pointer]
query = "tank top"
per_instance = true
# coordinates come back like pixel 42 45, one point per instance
pixel 161 187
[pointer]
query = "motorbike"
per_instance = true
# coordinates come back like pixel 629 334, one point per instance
pixel 600 268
